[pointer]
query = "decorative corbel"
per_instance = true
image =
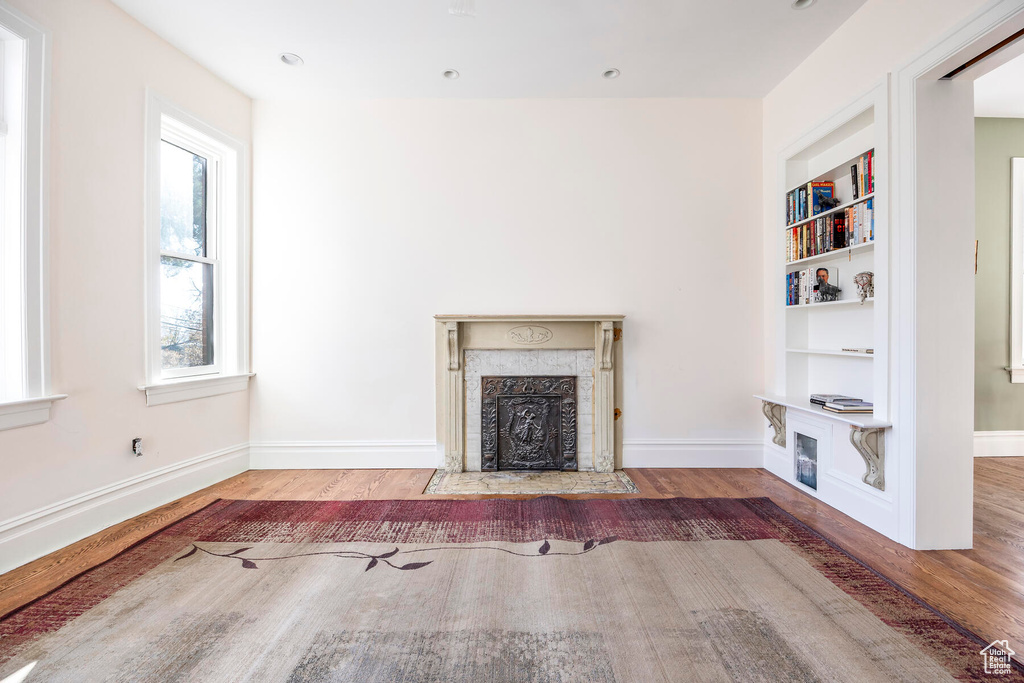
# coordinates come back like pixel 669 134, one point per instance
pixel 452 332
pixel 870 443
pixel 607 334
pixel 776 415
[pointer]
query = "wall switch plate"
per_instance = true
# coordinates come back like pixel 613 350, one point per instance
pixel 137 446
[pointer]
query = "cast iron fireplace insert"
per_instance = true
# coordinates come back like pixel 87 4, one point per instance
pixel 528 423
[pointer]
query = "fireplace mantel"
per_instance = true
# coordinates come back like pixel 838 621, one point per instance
pixel 457 333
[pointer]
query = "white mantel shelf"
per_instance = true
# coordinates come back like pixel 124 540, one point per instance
pixel 861 420
pixel 528 318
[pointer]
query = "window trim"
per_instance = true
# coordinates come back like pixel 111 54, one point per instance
pixel 1016 368
pixel 175 133
pixel 34 406
pixel 230 371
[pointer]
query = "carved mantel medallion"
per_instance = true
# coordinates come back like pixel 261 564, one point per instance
pixel 530 335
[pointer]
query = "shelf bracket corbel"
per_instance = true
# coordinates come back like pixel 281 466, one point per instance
pixel 870 443
pixel 776 415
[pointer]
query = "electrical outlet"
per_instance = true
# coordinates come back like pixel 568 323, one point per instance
pixel 137 446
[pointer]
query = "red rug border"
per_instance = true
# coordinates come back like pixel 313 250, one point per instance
pixel 955 625
pixel 110 559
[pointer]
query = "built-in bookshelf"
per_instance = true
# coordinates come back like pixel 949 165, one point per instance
pixel 830 229
pixel 831 338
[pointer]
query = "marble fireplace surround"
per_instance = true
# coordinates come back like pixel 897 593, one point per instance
pixel 528 363
pixel 469 346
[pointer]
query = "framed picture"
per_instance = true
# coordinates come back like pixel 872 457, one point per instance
pixel 805 460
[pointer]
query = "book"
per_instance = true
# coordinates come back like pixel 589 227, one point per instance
pixel 853 181
pixel 860 177
pixel 845 405
pixel 822 399
pixel 824 284
pixel 871 171
pixel 867 410
pixel 858 350
pixel 819 190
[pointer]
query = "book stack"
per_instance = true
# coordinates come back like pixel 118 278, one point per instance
pixel 854 225
pixel 802 285
pixel 862 175
pixel 805 201
pixel 849 405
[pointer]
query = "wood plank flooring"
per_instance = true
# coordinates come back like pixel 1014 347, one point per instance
pixel 982 589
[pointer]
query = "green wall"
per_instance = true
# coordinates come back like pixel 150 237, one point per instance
pixel 998 405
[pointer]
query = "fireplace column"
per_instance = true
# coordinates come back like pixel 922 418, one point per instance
pixel 604 399
pixel 455 449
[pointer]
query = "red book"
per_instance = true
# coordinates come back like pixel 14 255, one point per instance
pixel 871 170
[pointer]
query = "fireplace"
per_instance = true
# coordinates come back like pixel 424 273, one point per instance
pixel 554 382
pixel 528 423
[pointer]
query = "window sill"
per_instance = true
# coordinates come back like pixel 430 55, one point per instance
pixel 29 411
pixel 173 391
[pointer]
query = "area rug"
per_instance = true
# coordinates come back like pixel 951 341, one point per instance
pixel 505 483
pixel 546 589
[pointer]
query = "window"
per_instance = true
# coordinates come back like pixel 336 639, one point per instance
pixel 24 359
pixel 197 326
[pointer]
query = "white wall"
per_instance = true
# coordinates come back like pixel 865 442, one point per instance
pixel 372 216
pixel 840 70
pixel 102 63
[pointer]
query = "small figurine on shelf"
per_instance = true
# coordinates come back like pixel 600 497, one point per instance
pixel 827 201
pixel 865 285
pixel 823 289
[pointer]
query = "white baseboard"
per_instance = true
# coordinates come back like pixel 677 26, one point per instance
pixel 42 531
pixel 693 453
pixel 340 455
pixel 998 444
pixel 426 454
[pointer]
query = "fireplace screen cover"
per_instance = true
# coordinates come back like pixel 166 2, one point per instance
pixel 528 423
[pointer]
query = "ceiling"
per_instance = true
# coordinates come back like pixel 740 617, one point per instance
pixel 511 48
pixel 1000 92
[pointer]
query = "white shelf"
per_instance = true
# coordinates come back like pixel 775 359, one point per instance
pixel 862 420
pixel 844 302
pixel 829 352
pixel 834 255
pixel 822 214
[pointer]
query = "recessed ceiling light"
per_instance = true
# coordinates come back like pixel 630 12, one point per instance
pixel 451 74
pixel 611 73
pixel 802 4
pixel 291 59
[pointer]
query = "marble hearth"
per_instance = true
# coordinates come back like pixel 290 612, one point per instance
pixel 585 347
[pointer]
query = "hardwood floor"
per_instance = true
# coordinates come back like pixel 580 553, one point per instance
pixel 982 589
